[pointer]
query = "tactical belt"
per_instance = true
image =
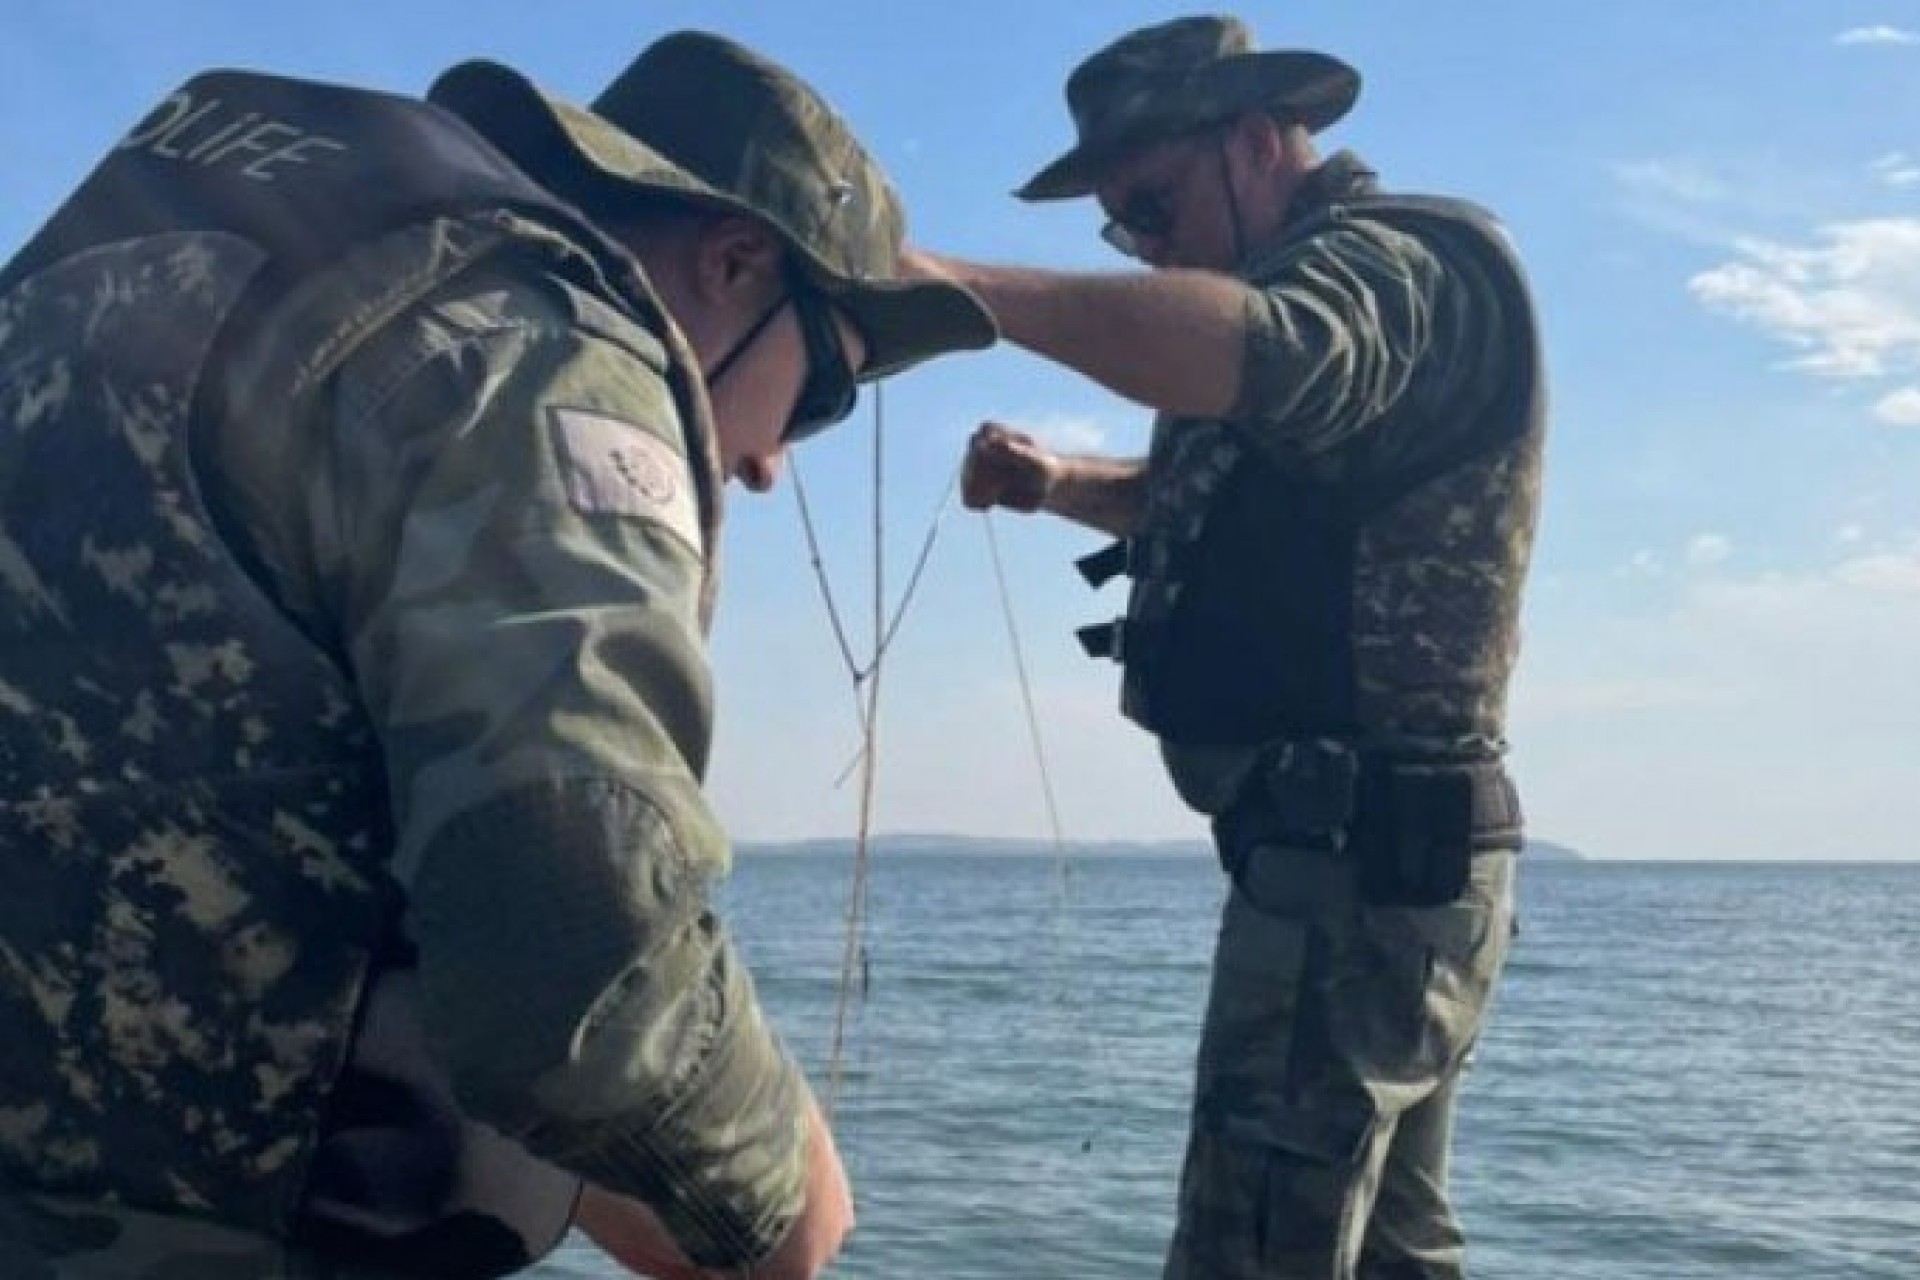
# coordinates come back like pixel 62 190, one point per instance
pixel 1411 824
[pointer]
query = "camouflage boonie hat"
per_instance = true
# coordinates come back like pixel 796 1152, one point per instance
pixel 700 117
pixel 1165 80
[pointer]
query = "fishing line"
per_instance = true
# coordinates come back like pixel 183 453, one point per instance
pixel 854 668
pixel 1061 861
pixel 1026 692
pixel 865 678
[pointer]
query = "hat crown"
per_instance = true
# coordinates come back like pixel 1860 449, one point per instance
pixel 754 131
pixel 1175 77
pixel 1142 62
pixel 699 119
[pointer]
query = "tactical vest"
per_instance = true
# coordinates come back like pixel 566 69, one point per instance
pixel 193 820
pixel 1237 629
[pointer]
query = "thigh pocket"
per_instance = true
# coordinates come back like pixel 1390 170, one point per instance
pixel 1414 988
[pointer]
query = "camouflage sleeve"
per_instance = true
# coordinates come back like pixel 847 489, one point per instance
pixel 1336 327
pixel 510 553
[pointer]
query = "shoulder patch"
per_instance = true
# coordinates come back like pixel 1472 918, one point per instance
pixel 615 467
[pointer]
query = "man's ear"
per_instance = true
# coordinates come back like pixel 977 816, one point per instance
pixel 738 259
pixel 1260 138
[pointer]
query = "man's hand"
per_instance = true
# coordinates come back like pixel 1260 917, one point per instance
pixel 826 1221
pixel 919 264
pixel 1007 468
pixel 633 1235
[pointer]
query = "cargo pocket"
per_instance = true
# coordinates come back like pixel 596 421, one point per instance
pixel 1417 987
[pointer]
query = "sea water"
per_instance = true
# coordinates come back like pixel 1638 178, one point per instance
pixel 1692 1070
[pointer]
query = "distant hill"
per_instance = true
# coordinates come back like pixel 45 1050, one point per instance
pixel 920 844
pixel 911 844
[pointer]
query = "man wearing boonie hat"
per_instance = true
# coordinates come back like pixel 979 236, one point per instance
pixel 1327 542
pixel 361 464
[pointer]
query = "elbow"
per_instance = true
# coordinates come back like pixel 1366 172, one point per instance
pixel 548 919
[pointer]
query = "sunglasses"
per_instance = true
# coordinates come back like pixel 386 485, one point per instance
pixel 1150 212
pixel 1147 214
pixel 830 390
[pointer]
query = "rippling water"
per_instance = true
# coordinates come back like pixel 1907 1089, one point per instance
pixel 1693 1070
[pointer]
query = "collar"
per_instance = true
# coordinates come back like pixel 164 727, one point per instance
pixel 1340 176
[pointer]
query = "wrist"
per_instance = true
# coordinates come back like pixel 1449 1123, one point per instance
pixel 1056 478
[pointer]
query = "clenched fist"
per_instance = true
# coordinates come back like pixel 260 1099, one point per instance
pixel 1006 468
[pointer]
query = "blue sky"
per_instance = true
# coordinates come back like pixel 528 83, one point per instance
pixel 1720 204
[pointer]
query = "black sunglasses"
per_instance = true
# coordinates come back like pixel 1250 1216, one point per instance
pixel 1147 215
pixel 1149 212
pixel 830 390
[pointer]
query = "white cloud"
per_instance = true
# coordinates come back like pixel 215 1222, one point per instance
pixel 1851 301
pixel 1771 715
pixel 1876 35
pixel 1707 550
pixel 1900 408
pixel 1674 179
pixel 1678 197
pixel 1849 534
pixel 1645 563
pixel 1713 202
pixel 1703 551
pixel 1897 169
pixel 1068 433
pixel 1888 572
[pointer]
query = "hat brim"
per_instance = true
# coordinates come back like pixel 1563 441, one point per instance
pixel 904 322
pixel 907 321
pixel 1314 88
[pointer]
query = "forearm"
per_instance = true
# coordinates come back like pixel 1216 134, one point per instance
pixel 587 1003
pixel 580 989
pixel 1173 340
pixel 1107 494
pixel 722 1155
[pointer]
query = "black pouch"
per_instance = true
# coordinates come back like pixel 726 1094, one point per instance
pixel 1311 788
pixel 1414 837
pixel 1300 796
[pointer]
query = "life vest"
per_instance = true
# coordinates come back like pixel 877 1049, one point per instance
pixel 1237 631
pixel 194 826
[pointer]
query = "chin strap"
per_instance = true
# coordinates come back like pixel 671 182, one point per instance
pixel 1233 199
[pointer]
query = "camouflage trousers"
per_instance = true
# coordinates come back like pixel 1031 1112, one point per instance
pixel 1335 1038
pixel 45 1238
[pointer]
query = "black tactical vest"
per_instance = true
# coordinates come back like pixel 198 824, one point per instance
pixel 193 821
pixel 1237 631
